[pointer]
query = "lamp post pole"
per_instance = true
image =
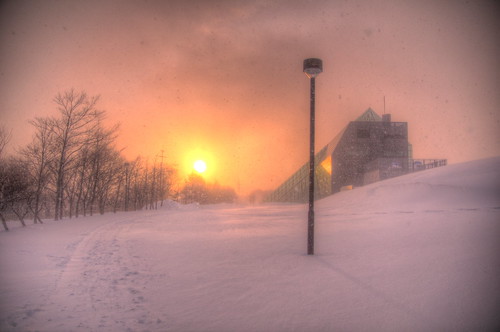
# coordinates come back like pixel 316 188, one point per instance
pixel 312 68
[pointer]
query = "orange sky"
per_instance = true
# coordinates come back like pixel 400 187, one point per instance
pixel 223 81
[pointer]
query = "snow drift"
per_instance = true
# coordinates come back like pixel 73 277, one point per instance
pixel 414 253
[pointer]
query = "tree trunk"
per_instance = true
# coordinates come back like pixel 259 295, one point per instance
pixel 4 222
pixel 115 207
pixel 37 206
pixel 20 217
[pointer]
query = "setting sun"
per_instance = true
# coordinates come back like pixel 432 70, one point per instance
pixel 200 166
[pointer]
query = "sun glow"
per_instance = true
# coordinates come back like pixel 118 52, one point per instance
pixel 200 161
pixel 200 166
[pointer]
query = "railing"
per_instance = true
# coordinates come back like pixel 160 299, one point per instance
pixel 416 165
pixel 295 188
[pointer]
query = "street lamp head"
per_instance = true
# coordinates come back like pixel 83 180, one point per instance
pixel 313 67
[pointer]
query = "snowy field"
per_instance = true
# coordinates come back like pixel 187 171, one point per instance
pixel 415 253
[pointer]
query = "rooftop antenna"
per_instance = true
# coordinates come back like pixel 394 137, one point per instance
pixel 384 104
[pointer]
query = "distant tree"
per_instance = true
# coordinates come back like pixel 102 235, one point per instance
pixel 152 187
pixel 138 183
pixel 120 182
pixel 136 180
pixel 126 195
pixel 167 178
pixel 109 178
pixel 221 194
pixel 78 190
pixel 159 182
pixel 104 160
pixel 195 190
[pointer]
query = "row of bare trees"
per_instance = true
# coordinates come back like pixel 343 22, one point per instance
pixel 72 167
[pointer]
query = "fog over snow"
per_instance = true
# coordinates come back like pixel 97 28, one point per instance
pixel 414 253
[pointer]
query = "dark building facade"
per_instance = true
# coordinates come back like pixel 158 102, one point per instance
pixel 369 149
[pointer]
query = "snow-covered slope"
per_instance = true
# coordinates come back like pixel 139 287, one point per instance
pixel 472 185
pixel 414 253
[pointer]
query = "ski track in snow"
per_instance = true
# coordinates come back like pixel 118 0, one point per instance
pixel 95 280
pixel 104 278
pixel 89 284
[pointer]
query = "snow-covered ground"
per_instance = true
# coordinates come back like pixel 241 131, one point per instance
pixel 415 253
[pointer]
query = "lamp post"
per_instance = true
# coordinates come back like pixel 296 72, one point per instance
pixel 312 68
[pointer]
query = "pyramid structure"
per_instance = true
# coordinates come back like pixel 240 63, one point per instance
pixel 333 165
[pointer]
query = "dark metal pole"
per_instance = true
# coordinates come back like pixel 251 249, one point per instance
pixel 310 220
pixel 312 67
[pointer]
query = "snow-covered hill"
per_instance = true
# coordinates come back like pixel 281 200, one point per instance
pixel 414 253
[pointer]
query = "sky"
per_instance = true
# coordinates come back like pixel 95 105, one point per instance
pixel 222 80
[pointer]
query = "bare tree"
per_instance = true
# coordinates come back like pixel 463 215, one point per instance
pixel 38 159
pixel 78 118
pixel 120 180
pixel 152 190
pixel 109 180
pixel 4 139
pixel 141 187
pixel 137 184
pixel 102 157
pixel 126 195
pixel 3 197
pixel 80 181
pixel 72 165
pixel 195 190
pixel 166 176
pixel 15 190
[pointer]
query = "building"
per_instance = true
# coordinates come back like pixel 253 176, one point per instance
pixel 369 149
